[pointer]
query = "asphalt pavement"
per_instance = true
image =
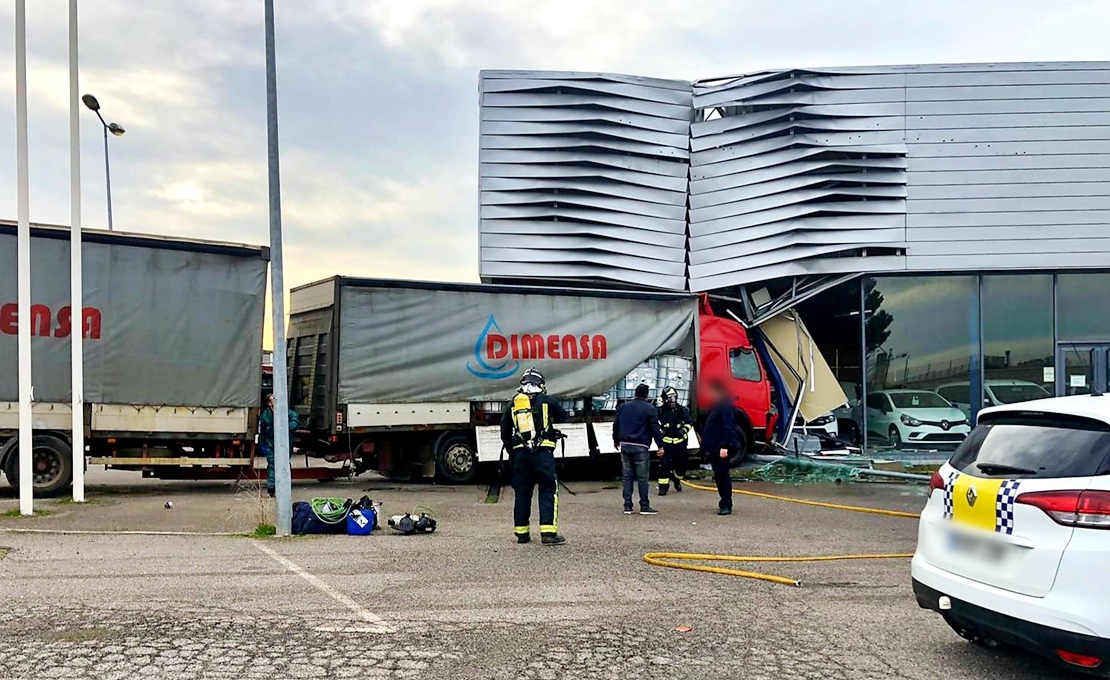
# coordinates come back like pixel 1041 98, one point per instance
pixel 466 602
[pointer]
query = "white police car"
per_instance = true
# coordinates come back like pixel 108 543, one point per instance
pixel 1014 543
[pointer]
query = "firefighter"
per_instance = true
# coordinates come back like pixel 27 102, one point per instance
pixel 676 423
pixel 528 433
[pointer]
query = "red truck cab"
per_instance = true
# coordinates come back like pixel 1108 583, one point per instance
pixel 727 356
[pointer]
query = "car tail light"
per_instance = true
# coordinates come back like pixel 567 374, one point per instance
pixel 936 482
pixel 1081 660
pixel 1086 509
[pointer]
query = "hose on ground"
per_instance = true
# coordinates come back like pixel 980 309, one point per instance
pixel 675 560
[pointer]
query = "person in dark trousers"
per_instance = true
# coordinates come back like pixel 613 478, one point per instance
pixel 719 438
pixel 674 457
pixel 529 435
pixel 635 427
pixel 266 438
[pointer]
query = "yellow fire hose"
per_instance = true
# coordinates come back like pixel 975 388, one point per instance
pixel 675 560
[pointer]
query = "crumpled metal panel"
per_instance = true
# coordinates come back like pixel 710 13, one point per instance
pixel 601 178
pixel 794 169
pixel 584 177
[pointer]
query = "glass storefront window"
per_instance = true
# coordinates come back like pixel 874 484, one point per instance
pixel 1083 307
pixel 1018 351
pixel 833 320
pixel 922 337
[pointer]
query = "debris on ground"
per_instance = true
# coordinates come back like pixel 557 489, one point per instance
pixel 801 470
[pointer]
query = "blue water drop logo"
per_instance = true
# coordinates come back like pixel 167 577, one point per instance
pixel 479 368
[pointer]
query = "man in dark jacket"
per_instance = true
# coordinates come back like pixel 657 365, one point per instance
pixel 635 427
pixel 718 440
pixel 528 433
pixel 676 423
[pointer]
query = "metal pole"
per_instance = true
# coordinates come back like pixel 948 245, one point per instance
pixel 77 357
pixel 107 173
pixel 26 396
pixel 282 482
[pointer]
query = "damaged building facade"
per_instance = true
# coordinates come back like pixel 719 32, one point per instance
pixel 943 230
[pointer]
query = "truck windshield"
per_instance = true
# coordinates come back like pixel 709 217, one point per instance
pixel 744 364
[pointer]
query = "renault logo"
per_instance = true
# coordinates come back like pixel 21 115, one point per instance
pixel 944 425
pixel 972 496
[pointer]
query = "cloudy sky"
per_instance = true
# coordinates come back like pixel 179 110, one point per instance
pixel 378 100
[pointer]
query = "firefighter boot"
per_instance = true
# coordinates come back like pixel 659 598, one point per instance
pixel 665 486
pixel 678 485
pixel 552 539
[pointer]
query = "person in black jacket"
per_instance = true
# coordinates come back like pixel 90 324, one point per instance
pixel 635 427
pixel 719 438
pixel 529 435
pixel 674 457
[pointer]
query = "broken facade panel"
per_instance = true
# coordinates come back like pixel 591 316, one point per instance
pixel 794 172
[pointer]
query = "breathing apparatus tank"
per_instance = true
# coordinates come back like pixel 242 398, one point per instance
pixel 408 523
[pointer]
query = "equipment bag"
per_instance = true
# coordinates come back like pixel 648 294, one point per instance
pixel 361 522
pixel 309 520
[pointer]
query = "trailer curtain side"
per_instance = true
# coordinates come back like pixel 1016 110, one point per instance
pixel 165 321
pixel 427 343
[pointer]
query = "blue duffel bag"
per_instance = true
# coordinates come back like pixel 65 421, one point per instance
pixel 306 521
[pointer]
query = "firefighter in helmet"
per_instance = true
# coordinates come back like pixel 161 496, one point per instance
pixel 676 423
pixel 528 433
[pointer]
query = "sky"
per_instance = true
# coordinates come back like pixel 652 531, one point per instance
pixel 378 101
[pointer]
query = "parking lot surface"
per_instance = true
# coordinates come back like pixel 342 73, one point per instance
pixel 466 602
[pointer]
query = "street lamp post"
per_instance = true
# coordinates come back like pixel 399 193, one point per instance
pixel 115 129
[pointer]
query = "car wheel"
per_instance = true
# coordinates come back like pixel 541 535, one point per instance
pixel 895 437
pixel 51 466
pixel 456 460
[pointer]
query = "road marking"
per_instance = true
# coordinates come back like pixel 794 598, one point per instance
pixel 109 532
pixel 375 624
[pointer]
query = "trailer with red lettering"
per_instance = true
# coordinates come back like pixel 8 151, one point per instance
pixel 172 344
pixel 410 378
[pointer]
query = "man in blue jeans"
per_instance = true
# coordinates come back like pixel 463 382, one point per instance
pixel 636 426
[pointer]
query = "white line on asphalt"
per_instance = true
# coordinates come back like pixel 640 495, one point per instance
pixel 376 623
pixel 106 532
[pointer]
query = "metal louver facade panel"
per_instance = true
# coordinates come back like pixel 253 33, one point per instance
pixel 583 176
pixel 795 172
pixel 792 170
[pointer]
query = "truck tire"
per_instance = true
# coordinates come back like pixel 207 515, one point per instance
pixel 746 438
pixel 51 469
pixel 456 459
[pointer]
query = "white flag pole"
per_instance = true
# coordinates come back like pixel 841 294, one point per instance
pixel 23 238
pixel 75 283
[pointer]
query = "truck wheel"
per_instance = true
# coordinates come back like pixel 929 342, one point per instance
pixel 456 461
pixel 51 466
pixel 741 451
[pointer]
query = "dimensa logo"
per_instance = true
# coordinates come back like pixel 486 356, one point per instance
pixel 45 323
pixel 479 366
pixel 498 356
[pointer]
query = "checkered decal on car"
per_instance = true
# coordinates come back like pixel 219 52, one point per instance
pixel 949 484
pixel 1004 507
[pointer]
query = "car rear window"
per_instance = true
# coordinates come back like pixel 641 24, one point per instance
pixel 1033 446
